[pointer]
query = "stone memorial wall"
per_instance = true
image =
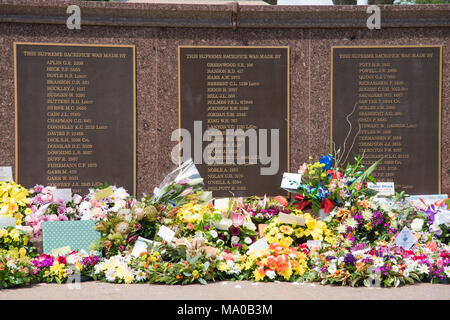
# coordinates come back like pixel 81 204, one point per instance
pixel 313 86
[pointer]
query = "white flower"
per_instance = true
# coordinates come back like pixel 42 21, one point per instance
pixel 110 275
pixel 395 268
pixel 417 224
pixel 248 240
pixel 219 241
pixel 119 204
pixel 341 228
pixel 423 268
pixel 447 271
pixel 332 268
pixel 249 225
pixel 406 273
pixel 234 240
pixel 120 193
pixel 271 274
pixel 367 215
pixel 84 206
pixel 351 223
pixel 140 275
pixel 213 234
pixel 77 198
pixel 378 262
pixel 435 228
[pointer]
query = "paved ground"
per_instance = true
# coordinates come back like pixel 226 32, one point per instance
pixel 224 291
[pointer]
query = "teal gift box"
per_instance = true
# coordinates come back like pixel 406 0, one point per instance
pixel 77 235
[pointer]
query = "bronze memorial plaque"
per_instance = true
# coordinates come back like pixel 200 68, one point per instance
pixel 243 93
pixel 75 115
pixel 391 96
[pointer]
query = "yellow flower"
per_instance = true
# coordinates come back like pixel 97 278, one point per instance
pixel 58 269
pixel 258 276
pixel 14 234
pixel 286 273
pixel 222 266
pixel 286 242
pixel 129 277
pixel 3 233
pixel 286 230
pixel 28 211
pixel 22 252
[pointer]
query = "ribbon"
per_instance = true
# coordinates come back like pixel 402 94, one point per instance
pixel 302 203
pixel 327 205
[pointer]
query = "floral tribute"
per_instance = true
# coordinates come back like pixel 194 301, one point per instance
pixel 178 236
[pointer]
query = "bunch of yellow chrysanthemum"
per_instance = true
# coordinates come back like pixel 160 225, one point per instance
pixel 14 201
pixel 292 234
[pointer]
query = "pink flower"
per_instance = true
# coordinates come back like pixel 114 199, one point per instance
pixel 302 168
pixel 227 256
pixel 61 210
pixel 77 199
pixel 237 219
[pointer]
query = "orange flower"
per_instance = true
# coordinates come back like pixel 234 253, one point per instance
pixel 190 226
pixel 210 205
pixel 186 264
pixel 338 273
pixel 432 246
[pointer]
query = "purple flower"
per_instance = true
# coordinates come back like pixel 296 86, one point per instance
pixel 237 245
pixel 38 188
pixel 350 259
pixel 61 210
pixel 206 227
pixel 221 236
pixel 235 231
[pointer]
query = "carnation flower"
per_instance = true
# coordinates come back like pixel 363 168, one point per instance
pixel 271 274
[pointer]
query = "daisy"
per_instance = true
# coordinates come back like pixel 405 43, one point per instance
pixel 140 275
pixel 423 269
pixel 110 275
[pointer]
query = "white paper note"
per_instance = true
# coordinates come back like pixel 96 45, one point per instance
pixel 6 174
pixel 261 244
pixel 291 181
pixel 405 239
pixel 140 246
pixel 384 189
pixel 428 199
pixel 166 234
pixel 62 194
pixel 7 222
pixel 290 219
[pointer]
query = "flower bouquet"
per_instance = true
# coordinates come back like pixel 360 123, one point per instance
pixel 275 263
pixel 179 187
pixel 182 264
pixel 287 235
pixel 14 201
pixel 262 210
pixel 100 201
pixel 15 268
pixel 12 238
pixel 325 184
pixel 385 265
pixel 122 225
pixel 45 208
pixel 363 222
pixel 236 232
pixel 57 268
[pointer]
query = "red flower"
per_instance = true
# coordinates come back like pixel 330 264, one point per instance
pixel 62 260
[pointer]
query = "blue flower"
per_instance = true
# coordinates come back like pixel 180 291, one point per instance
pixel 327 161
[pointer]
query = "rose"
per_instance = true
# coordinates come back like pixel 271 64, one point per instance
pixel 234 240
pixel 417 224
pixel 77 199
